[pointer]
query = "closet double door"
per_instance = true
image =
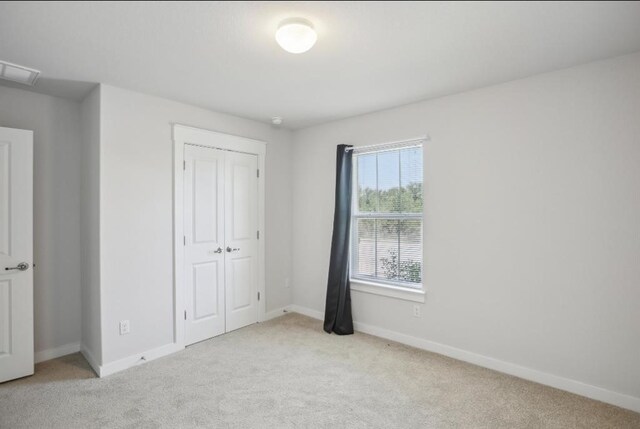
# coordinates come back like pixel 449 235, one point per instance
pixel 221 241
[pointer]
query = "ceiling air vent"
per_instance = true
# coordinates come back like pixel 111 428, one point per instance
pixel 16 73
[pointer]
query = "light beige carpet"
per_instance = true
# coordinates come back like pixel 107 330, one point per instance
pixel 288 373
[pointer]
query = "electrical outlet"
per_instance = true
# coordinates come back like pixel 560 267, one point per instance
pixel 416 311
pixel 125 328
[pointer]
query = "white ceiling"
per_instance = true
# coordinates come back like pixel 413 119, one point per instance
pixel 369 56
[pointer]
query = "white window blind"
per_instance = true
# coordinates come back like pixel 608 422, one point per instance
pixel 386 242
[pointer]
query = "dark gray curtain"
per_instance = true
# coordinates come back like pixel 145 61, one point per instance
pixel 337 312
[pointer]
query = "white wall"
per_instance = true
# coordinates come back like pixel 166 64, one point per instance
pixel 532 252
pixel 56 125
pixel 90 228
pixel 136 169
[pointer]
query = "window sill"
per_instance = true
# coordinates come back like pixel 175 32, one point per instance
pixel 415 295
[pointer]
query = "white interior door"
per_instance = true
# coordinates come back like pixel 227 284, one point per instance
pixel 220 241
pixel 204 243
pixel 16 253
pixel 241 229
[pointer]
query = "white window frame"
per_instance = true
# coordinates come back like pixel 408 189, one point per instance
pixel 378 286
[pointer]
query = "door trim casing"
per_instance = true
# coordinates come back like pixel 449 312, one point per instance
pixel 183 134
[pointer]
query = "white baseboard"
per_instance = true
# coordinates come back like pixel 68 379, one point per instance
pixel 49 354
pixel 569 385
pixel 137 359
pixel 314 314
pixel 277 313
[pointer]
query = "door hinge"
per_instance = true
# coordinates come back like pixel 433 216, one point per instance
pixel 258 235
pixel 184 165
pixel 184 240
pixel 185 315
pixel 258 173
pixel 258 296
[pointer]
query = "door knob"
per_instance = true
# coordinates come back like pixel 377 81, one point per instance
pixel 22 266
pixel 235 249
pixel 218 250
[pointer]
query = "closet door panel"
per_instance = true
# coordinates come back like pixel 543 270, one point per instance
pixel 204 277
pixel 241 228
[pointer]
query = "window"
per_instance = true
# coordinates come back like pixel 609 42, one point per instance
pixel 386 220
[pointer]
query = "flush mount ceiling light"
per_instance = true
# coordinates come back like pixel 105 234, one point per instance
pixel 16 73
pixel 296 35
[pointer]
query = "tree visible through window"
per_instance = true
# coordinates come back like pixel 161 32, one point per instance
pixel 387 211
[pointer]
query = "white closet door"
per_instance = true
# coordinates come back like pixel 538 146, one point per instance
pixel 204 243
pixel 241 228
pixel 16 253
